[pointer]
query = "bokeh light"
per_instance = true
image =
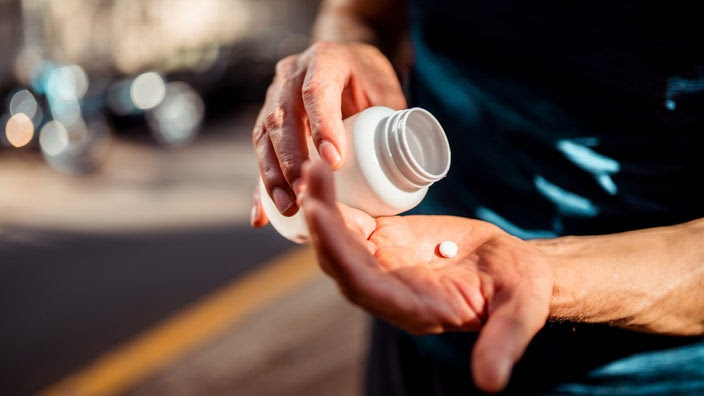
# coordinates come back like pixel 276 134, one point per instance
pixel 23 102
pixel 75 148
pixel 65 87
pixel 19 130
pixel 67 111
pixel 68 83
pixel 53 138
pixel 147 90
pixel 177 119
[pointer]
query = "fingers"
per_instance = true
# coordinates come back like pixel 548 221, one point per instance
pixel 358 221
pixel 319 183
pixel 307 91
pixel 279 136
pixel 271 175
pixel 408 297
pixel 509 329
pixel 285 123
pixel 257 216
pixel 310 95
pixel 341 253
pixel 326 78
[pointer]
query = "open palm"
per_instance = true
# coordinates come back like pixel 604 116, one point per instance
pixel 390 266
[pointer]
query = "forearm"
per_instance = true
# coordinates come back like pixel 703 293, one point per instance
pixel 377 22
pixel 648 280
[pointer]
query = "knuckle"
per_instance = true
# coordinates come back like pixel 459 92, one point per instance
pixel 375 52
pixel 272 90
pixel 312 89
pixel 259 135
pixel 269 172
pixel 318 129
pixel 289 165
pixel 283 65
pixel 274 119
pixel 323 46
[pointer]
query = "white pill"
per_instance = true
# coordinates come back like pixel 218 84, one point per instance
pixel 448 249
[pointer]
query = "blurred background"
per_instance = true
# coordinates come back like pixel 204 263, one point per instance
pixel 127 265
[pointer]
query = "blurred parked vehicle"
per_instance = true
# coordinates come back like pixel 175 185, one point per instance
pixel 79 72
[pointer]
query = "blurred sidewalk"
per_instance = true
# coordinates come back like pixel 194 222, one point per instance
pixel 140 186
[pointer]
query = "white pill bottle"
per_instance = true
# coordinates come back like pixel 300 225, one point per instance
pixel 393 157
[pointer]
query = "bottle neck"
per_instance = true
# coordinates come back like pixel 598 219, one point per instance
pixel 413 148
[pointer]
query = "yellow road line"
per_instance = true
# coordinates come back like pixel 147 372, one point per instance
pixel 116 370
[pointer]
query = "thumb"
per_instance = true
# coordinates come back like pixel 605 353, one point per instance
pixel 257 217
pixel 318 181
pixel 503 339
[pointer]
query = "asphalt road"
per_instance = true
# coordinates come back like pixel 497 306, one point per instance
pixel 67 300
pixel 88 262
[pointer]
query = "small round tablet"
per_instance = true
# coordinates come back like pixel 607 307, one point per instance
pixel 448 249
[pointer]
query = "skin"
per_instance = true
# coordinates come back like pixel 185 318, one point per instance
pixel 343 73
pixel 310 96
pixel 496 284
pixel 649 280
pixel 506 288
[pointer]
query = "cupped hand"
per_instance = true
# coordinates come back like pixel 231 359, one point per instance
pixel 310 95
pixel 497 284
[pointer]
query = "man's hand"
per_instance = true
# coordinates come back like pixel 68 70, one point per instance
pixel 497 284
pixel 310 95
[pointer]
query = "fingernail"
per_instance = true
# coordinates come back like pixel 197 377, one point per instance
pixel 329 153
pixel 300 199
pixel 298 186
pixel 281 199
pixel 254 214
pixel 306 164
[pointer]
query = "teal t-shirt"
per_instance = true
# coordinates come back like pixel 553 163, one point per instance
pixel 569 118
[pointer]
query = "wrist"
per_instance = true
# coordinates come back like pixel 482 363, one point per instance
pixel 561 254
